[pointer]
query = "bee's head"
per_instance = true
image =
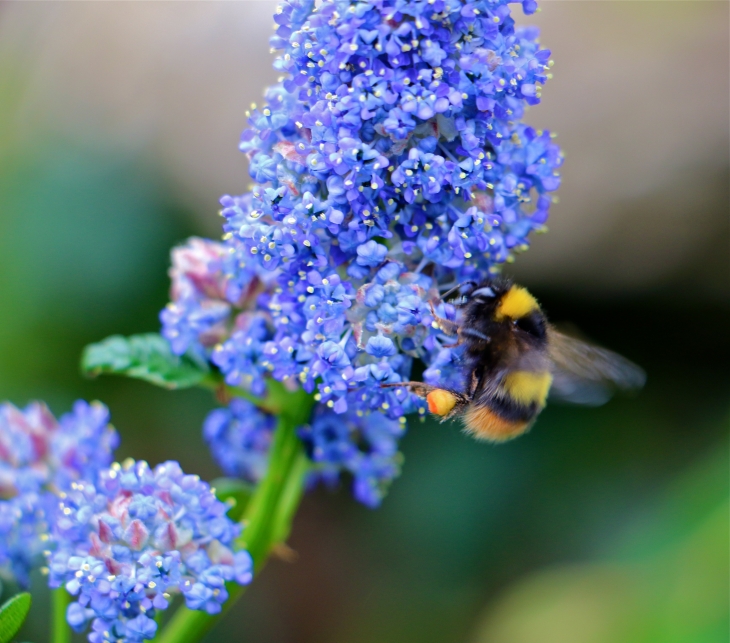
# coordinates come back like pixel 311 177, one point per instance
pixel 507 303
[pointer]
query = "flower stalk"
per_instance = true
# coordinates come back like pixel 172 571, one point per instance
pixel 60 630
pixel 268 516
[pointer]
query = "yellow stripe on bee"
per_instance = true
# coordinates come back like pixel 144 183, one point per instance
pixel 528 387
pixel 440 402
pixel 517 302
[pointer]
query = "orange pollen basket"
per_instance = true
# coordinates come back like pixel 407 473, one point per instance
pixel 440 402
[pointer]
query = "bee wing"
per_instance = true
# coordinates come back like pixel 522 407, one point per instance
pixel 587 374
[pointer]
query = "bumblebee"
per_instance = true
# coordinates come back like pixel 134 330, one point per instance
pixel 513 358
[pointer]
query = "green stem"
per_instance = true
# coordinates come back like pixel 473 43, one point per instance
pixel 60 630
pixel 267 519
pixel 291 496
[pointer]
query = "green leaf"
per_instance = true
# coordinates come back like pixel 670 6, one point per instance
pixel 147 357
pixel 12 615
pixel 235 493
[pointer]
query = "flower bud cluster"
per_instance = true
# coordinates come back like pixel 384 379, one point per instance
pixel 391 163
pixel 127 543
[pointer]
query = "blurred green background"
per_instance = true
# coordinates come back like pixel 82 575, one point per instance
pixel 118 130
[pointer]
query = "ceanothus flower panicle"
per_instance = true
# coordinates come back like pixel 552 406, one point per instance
pixel 129 541
pixel 391 163
pixel 39 458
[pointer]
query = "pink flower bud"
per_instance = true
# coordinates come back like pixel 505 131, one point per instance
pixel 136 534
pixel 197 266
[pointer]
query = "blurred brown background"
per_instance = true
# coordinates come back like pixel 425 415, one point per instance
pixel 119 125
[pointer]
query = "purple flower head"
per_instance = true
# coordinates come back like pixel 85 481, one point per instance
pixel 391 163
pixel 126 544
pixel 39 458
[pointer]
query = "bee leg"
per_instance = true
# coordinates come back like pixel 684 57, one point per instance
pixel 458 288
pixel 442 402
pixel 447 404
pixel 419 388
pixel 459 342
pixel 446 325
pixel 469 332
pixel 476 381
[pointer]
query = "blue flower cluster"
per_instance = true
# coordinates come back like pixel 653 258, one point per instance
pixel 391 163
pixel 239 437
pixel 39 458
pixel 127 543
pixel 366 447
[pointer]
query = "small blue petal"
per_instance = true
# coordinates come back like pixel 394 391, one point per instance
pixel 380 346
